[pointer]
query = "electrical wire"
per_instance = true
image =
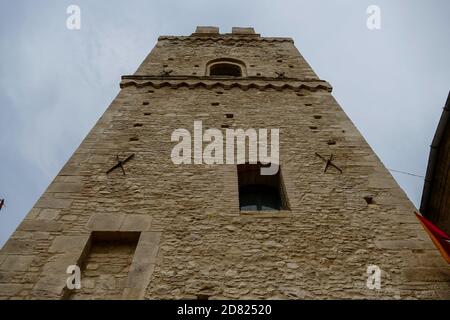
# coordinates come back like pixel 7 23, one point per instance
pixel 407 173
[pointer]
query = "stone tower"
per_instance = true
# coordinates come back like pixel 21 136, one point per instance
pixel 141 227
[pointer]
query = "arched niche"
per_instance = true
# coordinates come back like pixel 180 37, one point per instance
pixel 226 67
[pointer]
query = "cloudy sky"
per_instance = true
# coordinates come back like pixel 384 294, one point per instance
pixel 55 83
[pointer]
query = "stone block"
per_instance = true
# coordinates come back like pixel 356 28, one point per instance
pixel 33 213
pixel 136 222
pixel 403 244
pixel 7 277
pixel 150 238
pixel 49 214
pixel 146 253
pixel 16 263
pixel 242 30
pixel 18 246
pixel 139 275
pixel 51 287
pixel 207 30
pixel 133 293
pixel 9 289
pixel 70 170
pixel 53 203
pixel 105 222
pixel 427 274
pixel 69 243
pixel 72 179
pixel 64 187
pixel 40 235
pixel 40 225
pixel 379 181
pixel 57 265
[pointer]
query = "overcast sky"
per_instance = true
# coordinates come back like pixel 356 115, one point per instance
pixel 55 83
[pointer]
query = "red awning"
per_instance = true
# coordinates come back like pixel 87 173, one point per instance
pixel 439 237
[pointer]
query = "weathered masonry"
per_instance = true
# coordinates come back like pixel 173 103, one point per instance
pixel 141 227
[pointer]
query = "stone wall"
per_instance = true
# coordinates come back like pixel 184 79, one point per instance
pixel 193 240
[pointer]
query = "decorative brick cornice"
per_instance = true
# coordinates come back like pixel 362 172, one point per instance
pixel 260 83
pixel 225 38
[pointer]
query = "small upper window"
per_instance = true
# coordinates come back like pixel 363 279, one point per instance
pixel 225 69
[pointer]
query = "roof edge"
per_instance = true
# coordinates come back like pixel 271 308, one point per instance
pixel 434 150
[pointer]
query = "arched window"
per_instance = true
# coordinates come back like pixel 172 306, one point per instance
pixel 226 67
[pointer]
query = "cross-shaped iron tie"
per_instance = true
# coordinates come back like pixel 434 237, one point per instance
pixel 328 162
pixel 120 163
pixel 165 73
pixel 280 74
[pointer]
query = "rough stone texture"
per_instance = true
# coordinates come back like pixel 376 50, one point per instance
pixel 194 240
pixel 105 271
